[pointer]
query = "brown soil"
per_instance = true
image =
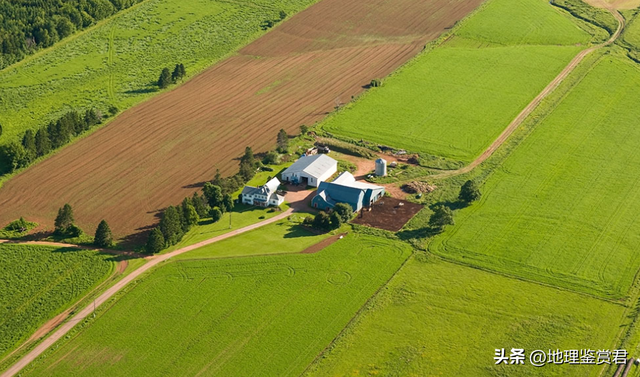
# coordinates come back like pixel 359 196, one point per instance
pixel 614 4
pixel 388 214
pixel 322 244
pixel 155 154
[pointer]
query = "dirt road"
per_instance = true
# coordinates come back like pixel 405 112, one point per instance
pixel 154 261
pixel 536 101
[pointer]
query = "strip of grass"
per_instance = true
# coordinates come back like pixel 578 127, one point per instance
pixel 38 282
pixel 441 319
pixel 563 209
pixel 263 316
pixel 454 100
pixel 119 61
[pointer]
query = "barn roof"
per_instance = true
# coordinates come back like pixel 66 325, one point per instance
pixel 315 165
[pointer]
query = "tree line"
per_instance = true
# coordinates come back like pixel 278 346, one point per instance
pixel 29 25
pixel 16 155
pixel 167 77
pixel 213 203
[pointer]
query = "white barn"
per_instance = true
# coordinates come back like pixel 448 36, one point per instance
pixel 263 196
pixel 311 170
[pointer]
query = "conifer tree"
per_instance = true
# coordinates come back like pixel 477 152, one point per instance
pixel 104 237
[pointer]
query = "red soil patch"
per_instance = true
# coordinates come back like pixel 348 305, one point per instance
pixel 155 154
pixel 388 214
pixel 322 244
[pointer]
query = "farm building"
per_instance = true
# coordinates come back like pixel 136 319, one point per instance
pixel 345 189
pixel 311 170
pixel 263 196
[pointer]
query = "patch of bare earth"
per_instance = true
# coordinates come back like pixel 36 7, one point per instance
pixel 614 4
pixel 389 214
pixel 323 244
pixel 155 154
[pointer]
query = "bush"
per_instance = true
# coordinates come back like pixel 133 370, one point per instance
pixel 344 211
pixel 375 83
pixel 216 214
pixel 469 192
pixel 20 225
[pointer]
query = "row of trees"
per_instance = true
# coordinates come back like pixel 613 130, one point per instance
pixel 46 139
pixel 65 227
pixel 167 77
pixel 214 202
pixel 26 26
pixel 268 24
pixel 341 213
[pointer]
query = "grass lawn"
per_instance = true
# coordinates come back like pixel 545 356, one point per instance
pixel 441 319
pixel 38 282
pixel 455 99
pixel 267 315
pixel 284 236
pixel 119 61
pixel 563 209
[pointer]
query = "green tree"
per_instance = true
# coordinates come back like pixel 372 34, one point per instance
pixel 227 203
pixel 469 192
pixel 29 145
pixel 335 221
pixel 155 242
pixel 183 71
pixel 165 78
pixel 213 194
pixel 103 237
pixel 189 212
pixel 171 226
pixel 15 155
pixel 344 210
pixel 43 144
pixel 198 204
pixel 322 221
pixel 215 214
pixel 271 158
pixel 441 217
pixel 283 141
pixel 176 75
pixel 247 165
pixel 64 220
pixel 283 15
pixel 304 130
pixel 0 130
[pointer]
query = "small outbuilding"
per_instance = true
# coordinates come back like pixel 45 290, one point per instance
pixel 263 196
pixel 311 170
pixel 345 189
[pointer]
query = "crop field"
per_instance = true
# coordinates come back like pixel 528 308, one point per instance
pixel 442 319
pixel 563 208
pixel 268 315
pixel 118 62
pixel 156 153
pixel 454 100
pixel 632 33
pixel 38 282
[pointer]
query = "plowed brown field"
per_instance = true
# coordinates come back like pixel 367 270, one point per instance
pixel 156 153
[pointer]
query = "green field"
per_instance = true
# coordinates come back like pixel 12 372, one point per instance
pixel 266 316
pixel 563 208
pixel 38 282
pixel 441 319
pixel 454 100
pixel 119 61
pixel 284 236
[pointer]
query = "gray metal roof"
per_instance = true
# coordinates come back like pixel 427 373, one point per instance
pixel 315 165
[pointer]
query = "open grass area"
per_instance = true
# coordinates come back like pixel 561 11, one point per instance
pixel 267 316
pixel 284 236
pixel 455 99
pixel 119 61
pixel 441 319
pixel 38 282
pixel 563 208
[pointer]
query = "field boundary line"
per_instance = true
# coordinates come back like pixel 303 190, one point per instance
pixel 524 114
pixel 105 296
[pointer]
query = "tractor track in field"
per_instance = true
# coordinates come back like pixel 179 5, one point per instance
pixel 111 291
pixel 533 105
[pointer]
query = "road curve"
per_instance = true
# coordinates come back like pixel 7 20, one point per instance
pixel 536 101
pixel 66 327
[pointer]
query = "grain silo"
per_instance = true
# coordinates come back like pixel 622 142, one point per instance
pixel 381 167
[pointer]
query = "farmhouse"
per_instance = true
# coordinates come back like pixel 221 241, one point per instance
pixel 345 189
pixel 311 170
pixel 263 196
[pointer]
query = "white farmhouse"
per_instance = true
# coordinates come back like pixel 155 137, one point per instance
pixel 263 196
pixel 311 170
